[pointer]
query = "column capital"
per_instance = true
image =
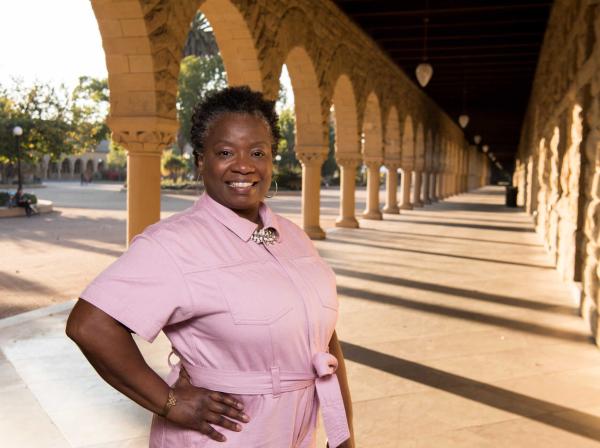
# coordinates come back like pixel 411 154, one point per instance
pixel 348 161
pixel 311 155
pixel 373 162
pixel 392 165
pixel 143 134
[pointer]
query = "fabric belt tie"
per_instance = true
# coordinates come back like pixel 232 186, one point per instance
pixel 277 381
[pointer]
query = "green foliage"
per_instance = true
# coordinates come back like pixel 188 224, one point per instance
pixel 329 169
pixel 31 197
pixel 287 144
pixel 4 198
pixel 173 165
pixel 90 103
pixel 54 122
pixel 117 156
pixel 198 76
pixel 288 178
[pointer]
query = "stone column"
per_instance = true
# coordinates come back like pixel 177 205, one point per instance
pixel 432 186
pixel 311 158
pixel 347 216
pixel 406 182
pixel 426 188
pixel 144 138
pixel 372 211
pixel 391 186
pixel 416 199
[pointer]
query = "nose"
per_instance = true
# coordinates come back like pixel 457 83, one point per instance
pixel 243 164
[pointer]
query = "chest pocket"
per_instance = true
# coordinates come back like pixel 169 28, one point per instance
pixel 319 278
pixel 256 293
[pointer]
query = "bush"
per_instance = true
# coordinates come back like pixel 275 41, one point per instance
pixel 4 198
pixel 31 197
pixel 289 178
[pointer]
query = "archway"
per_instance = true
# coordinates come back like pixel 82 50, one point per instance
pixel 235 42
pixel 65 168
pixel 77 166
pixel 372 154
pixel 311 144
pixel 347 149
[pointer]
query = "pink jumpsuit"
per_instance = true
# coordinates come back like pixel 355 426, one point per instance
pixel 244 318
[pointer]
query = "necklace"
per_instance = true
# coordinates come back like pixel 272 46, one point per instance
pixel 265 236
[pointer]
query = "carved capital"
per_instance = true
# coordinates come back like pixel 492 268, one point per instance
pixel 373 164
pixel 311 158
pixel 143 134
pixel 348 161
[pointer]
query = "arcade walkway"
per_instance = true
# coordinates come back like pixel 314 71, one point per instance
pixel 457 333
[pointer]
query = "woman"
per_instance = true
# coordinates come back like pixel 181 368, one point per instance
pixel 241 293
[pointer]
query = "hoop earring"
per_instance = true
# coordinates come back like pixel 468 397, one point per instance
pixel 274 194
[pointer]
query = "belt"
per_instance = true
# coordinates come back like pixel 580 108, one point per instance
pixel 277 381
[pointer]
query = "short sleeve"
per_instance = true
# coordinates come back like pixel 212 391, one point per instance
pixel 143 289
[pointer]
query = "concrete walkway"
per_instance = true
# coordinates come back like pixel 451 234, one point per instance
pixel 456 329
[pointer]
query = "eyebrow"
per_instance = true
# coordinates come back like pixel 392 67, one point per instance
pixel 227 142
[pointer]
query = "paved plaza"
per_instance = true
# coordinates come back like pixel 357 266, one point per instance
pixel 456 329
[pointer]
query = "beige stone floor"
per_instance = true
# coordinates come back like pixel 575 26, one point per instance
pixel 456 330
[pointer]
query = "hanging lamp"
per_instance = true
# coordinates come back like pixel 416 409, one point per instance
pixel 463 119
pixel 477 139
pixel 424 70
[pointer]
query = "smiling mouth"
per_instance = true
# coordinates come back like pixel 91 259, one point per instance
pixel 241 185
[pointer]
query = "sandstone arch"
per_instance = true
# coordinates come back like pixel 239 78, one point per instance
pixel 311 145
pixel 235 42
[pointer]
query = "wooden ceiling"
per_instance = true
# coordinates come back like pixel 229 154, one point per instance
pixel 484 51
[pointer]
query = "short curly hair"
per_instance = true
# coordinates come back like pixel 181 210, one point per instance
pixel 236 100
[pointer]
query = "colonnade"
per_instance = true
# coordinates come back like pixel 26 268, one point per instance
pixel 381 117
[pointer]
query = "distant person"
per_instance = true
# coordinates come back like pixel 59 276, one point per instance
pixel 82 179
pixel 22 201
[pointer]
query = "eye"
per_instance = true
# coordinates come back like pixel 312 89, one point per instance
pixel 259 153
pixel 224 153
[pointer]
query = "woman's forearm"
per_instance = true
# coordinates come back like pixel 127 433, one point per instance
pixel 111 350
pixel 336 350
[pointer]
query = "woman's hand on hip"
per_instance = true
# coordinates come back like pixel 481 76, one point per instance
pixel 198 408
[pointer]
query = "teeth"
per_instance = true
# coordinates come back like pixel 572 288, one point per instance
pixel 240 184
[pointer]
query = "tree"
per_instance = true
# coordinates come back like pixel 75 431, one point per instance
pixel 201 40
pixel 90 104
pixel 54 122
pixel 173 165
pixel 198 76
pixel 287 144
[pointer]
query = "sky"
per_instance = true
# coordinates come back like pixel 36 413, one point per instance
pixel 52 41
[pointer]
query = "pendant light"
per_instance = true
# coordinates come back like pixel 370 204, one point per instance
pixel 424 70
pixel 477 139
pixel 485 148
pixel 463 119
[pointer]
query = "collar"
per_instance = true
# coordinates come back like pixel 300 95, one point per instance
pixel 242 227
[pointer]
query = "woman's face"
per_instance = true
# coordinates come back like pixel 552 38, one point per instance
pixel 237 163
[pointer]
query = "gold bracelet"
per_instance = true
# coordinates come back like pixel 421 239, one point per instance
pixel 171 401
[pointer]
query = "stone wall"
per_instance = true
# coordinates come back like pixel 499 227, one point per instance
pixel 558 164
